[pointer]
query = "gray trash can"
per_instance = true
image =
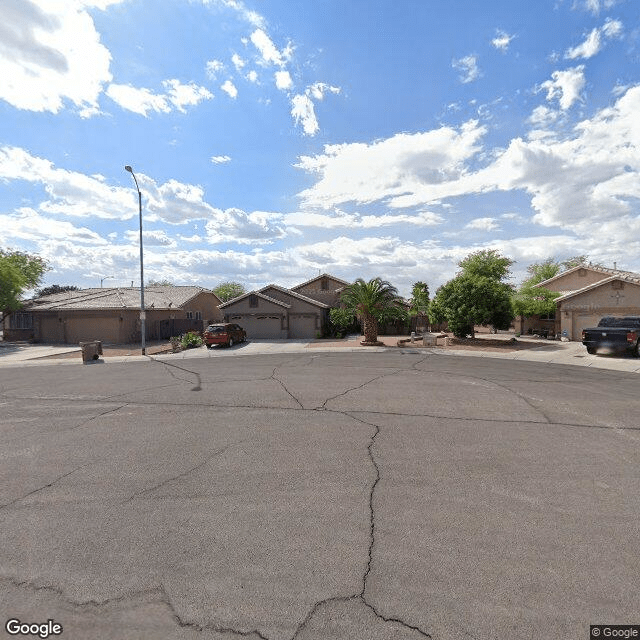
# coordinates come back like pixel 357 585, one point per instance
pixel 91 350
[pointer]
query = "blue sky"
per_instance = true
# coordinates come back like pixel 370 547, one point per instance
pixel 274 140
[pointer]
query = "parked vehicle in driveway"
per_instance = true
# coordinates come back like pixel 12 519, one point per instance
pixel 613 335
pixel 224 333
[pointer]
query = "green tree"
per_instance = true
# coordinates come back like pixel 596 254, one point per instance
pixel 341 319
pixel 530 300
pixel 19 272
pixel 56 288
pixel 486 263
pixel 467 301
pixel 374 302
pixel 478 295
pixel 419 302
pixel 229 290
pixel 159 283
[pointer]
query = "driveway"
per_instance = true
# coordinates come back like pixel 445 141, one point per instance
pixel 320 496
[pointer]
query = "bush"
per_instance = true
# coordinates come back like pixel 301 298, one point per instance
pixel 191 340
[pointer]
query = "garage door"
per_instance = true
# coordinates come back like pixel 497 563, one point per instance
pixel 260 327
pixel 302 326
pixel 584 321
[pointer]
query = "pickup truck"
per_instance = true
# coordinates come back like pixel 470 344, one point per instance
pixel 613 335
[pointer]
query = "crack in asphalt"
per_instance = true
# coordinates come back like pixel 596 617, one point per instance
pixel 202 463
pixel 323 406
pixel 169 366
pixel 159 593
pixel 45 486
pixel 282 384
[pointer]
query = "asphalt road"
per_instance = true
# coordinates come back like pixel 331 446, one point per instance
pixel 349 496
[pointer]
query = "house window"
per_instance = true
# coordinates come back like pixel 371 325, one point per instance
pixel 189 315
pixel 198 315
pixel 21 320
pixel 253 301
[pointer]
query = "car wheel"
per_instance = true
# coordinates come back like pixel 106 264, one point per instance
pixel 209 346
pixel 637 349
pixel 591 350
pixel 231 342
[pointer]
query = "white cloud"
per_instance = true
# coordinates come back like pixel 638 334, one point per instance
pixel 220 159
pixel 594 41
pixel 502 40
pixel 303 107
pixel 252 76
pixel 566 86
pixel 283 80
pixel 181 95
pixel 235 225
pixel 68 192
pixel 303 111
pixel 483 224
pixel 468 67
pixel 594 6
pixel 213 68
pixel 27 224
pixel 51 53
pixel 252 17
pixel 404 163
pixel 238 62
pixel 268 51
pixel 230 89
pixel 142 100
pixel 358 221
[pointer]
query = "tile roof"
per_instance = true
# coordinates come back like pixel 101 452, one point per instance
pixel 224 305
pixel 159 297
pixel 595 285
pixel 294 294
pixel 323 275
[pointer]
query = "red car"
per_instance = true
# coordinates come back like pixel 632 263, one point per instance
pixel 226 333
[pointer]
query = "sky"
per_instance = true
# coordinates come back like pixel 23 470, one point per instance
pixel 277 139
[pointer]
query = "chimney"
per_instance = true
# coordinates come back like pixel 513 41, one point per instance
pixel 615 266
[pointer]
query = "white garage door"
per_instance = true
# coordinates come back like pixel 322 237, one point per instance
pixel 302 326
pixel 260 327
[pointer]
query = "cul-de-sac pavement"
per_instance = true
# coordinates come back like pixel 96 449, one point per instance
pixel 320 496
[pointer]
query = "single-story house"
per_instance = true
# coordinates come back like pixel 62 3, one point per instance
pixel 274 312
pixel 112 314
pixel 589 293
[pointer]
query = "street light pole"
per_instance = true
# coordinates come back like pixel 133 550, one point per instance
pixel 142 311
pixel 105 278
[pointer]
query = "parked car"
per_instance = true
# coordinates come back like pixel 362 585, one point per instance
pixel 613 335
pixel 225 333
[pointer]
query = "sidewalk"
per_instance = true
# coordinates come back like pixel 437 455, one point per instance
pixel 550 352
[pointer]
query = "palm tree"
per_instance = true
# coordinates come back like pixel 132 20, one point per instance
pixel 372 301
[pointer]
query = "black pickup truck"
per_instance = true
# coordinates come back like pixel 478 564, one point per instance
pixel 613 335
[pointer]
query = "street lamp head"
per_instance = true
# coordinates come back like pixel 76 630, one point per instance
pixel 128 168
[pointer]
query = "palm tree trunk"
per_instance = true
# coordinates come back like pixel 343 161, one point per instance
pixel 370 328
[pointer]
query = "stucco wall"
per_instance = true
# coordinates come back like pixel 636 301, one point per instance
pixel 314 290
pixel 207 303
pixel 617 298
pixel 577 279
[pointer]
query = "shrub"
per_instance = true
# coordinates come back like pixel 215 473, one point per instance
pixel 191 340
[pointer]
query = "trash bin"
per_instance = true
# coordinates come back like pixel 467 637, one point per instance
pixel 91 350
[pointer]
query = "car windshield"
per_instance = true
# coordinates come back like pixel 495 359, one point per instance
pixel 214 329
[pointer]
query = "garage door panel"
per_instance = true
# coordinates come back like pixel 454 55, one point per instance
pixel 584 321
pixel 260 327
pixel 302 327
